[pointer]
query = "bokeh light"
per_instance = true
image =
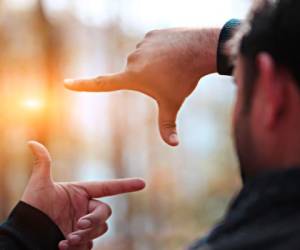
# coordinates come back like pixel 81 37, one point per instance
pixel 33 104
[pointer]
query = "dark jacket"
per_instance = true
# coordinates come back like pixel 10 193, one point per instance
pixel 264 216
pixel 27 228
pixel 266 213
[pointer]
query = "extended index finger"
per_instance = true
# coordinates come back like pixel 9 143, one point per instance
pixel 99 189
pixel 112 82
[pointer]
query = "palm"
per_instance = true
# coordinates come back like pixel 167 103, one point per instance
pixel 63 203
pixel 68 203
pixel 75 204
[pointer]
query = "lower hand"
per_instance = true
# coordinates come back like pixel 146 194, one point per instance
pixel 71 205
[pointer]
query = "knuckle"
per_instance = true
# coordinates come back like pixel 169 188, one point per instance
pixel 105 228
pixel 104 213
pixel 168 125
pixel 139 45
pixel 107 210
pixel 106 190
pixel 151 33
pixel 133 56
pixel 43 160
pixel 101 230
pixel 99 80
pixel 86 236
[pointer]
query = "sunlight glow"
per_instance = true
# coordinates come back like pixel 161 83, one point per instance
pixel 33 104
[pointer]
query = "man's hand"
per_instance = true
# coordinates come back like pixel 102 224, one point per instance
pixel 167 66
pixel 71 205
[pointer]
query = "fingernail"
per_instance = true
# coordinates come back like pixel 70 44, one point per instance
pixel 63 246
pixel 84 224
pixel 68 81
pixel 74 239
pixel 173 139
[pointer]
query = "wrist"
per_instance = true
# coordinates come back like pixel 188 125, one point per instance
pixel 47 206
pixel 206 47
pixel 32 227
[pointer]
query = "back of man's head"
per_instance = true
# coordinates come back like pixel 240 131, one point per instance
pixel 268 70
pixel 273 26
pixel 275 29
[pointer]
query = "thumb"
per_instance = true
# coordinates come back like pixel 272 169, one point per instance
pixel 42 157
pixel 113 82
pixel 167 124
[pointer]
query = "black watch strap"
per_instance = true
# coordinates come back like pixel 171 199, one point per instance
pixel 224 66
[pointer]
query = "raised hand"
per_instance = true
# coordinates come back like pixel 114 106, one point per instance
pixel 167 66
pixel 71 205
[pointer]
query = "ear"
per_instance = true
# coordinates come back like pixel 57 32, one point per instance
pixel 271 79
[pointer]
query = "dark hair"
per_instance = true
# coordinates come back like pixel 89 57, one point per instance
pixel 272 27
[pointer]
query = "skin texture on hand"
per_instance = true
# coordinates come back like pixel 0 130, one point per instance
pixel 71 205
pixel 166 66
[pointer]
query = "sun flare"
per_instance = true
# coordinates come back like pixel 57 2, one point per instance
pixel 33 104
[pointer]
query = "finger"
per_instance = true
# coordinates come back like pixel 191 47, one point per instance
pixel 99 212
pixel 64 245
pixel 90 245
pixel 42 159
pixel 167 124
pixel 80 237
pixel 139 44
pixel 99 189
pixel 113 82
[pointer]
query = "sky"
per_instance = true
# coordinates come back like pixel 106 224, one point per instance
pixel 145 14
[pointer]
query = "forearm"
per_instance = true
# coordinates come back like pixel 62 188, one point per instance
pixel 30 229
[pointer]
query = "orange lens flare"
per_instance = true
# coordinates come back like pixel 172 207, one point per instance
pixel 33 104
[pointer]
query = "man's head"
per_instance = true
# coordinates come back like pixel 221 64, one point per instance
pixel 267 72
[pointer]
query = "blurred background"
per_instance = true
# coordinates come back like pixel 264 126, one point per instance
pixel 113 135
